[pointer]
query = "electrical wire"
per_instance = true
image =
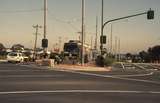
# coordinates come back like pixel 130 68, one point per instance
pixel 63 21
pixel 22 11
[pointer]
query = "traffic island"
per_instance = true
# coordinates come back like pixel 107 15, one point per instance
pixel 77 67
pixel 45 62
pixel 82 68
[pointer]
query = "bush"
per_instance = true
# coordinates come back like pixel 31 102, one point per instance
pixel 100 61
pixel 86 58
pixel 104 61
pixel 2 57
pixel 108 61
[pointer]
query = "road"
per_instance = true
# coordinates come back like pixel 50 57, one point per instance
pixel 29 84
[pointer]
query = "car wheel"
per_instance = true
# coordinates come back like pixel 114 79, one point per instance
pixel 9 61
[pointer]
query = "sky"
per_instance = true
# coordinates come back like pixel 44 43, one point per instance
pixel 64 21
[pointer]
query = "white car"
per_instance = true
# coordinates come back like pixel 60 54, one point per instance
pixel 15 57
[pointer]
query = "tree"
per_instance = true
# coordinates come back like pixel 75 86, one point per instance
pixel 154 53
pixel 128 55
pixel 145 57
pixel 2 48
pixel 17 47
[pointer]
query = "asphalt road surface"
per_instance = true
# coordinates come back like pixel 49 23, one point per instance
pixel 27 84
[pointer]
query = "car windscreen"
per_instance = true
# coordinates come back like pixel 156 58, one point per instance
pixel 70 47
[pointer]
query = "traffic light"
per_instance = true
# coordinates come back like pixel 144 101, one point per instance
pixel 103 39
pixel 150 14
pixel 44 43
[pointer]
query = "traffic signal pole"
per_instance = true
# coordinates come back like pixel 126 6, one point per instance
pixel 101 41
pixel 45 18
pixel 150 15
pixel 45 40
pixel 122 18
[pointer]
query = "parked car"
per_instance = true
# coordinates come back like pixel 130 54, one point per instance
pixel 57 58
pixel 15 57
pixel 25 57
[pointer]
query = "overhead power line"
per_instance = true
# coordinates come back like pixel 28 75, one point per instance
pixel 69 22
pixel 21 11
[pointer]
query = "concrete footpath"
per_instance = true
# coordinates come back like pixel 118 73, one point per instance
pixel 82 68
pixel 3 60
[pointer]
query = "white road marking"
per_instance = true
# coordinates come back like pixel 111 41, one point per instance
pixel 154 67
pixel 136 75
pixel 79 91
pixel 109 76
pixel 143 68
pixel 104 76
pixel 30 76
pixel 19 70
pixel 122 65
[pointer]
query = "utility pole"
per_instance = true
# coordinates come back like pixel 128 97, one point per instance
pixel 119 49
pixel 35 43
pixel 101 46
pixel 96 33
pixel 111 40
pixel 60 42
pixel 91 42
pixel 45 40
pixel 116 48
pixel 83 32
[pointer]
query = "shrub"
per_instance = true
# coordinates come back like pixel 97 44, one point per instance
pixel 100 61
pixel 104 61
pixel 108 61
pixel 86 58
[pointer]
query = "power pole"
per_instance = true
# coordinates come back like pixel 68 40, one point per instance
pixel 101 46
pixel 35 43
pixel 60 42
pixel 111 39
pixel 119 49
pixel 83 32
pixel 91 42
pixel 45 40
pixel 116 48
pixel 96 33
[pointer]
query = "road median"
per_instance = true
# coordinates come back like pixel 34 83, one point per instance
pixel 82 68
